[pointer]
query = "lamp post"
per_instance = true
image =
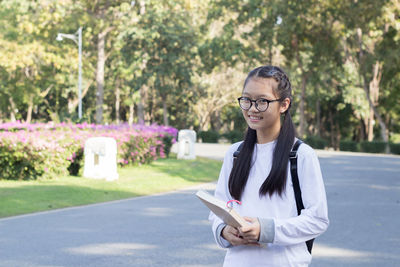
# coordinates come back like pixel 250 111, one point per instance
pixel 77 38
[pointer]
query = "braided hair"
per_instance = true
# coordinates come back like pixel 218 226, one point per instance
pixel 276 180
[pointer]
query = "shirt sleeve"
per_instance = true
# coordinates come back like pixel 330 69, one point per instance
pixel 267 230
pixel 222 193
pixel 313 219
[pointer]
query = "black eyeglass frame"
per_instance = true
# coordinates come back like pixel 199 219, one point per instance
pixel 255 102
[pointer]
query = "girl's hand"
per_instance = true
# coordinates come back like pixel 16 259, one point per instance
pixel 251 232
pixel 231 234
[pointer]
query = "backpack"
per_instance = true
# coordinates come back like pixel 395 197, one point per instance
pixel 295 181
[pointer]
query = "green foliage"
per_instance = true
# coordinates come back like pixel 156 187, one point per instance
pixel 316 142
pixel 234 136
pixel 208 136
pixel 346 145
pixel 33 151
pixel 373 147
pixel 76 164
pixel 138 150
pixel 183 62
pixel 167 141
pixel 395 148
pixel 22 161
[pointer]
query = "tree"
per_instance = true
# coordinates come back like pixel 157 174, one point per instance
pixel 30 62
pixel 364 30
pixel 103 17
pixel 163 54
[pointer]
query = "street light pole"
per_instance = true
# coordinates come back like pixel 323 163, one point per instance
pixel 80 72
pixel 77 38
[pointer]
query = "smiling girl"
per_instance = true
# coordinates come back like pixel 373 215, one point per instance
pixel 260 178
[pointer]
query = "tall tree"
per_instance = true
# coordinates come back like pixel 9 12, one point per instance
pixel 104 17
pixel 31 60
pixel 166 49
pixel 364 30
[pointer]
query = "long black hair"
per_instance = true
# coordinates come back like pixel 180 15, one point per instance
pixel 276 180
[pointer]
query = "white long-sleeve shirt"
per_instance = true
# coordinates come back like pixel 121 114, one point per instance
pixel 287 245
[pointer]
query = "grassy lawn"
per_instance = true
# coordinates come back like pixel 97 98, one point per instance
pixel 20 197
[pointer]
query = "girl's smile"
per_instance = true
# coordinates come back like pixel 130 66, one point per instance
pixel 254 118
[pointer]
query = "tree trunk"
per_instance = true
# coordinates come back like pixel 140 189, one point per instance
pixel 374 94
pixel 73 103
pixel 382 125
pixel 163 95
pixel 141 104
pixel 318 114
pixel 101 59
pixel 117 101
pixel 204 122
pixel 337 135
pixel 140 111
pixel 30 108
pixel 302 100
pixel 232 125
pixel 384 133
pixel 377 75
pixel 363 131
pixel 370 125
pixel 131 113
pixel 12 109
pixel 303 86
pixel 217 121
pixel 165 112
pixel 332 131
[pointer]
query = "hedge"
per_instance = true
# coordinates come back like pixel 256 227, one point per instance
pixel 316 142
pixel 394 148
pixel 234 136
pixel 369 146
pixel 373 146
pixel 347 145
pixel 50 150
pixel 208 136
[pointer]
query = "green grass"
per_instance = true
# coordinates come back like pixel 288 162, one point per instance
pixel 20 197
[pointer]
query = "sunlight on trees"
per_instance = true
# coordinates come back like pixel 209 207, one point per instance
pixel 182 62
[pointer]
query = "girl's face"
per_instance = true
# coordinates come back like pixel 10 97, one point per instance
pixel 268 120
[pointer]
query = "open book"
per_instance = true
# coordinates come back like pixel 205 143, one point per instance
pixel 219 208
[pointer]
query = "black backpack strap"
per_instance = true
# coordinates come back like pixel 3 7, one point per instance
pixel 295 177
pixel 236 153
pixel 296 185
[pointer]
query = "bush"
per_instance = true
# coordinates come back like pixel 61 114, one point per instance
pixel 31 151
pixel 316 142
pixel 209 136
pixel 76 160
pixel 347 145
pixel 395 148
pixel 373 146
pixel 24 159
pixel 138 150
pixel 168 140
pixel 234 136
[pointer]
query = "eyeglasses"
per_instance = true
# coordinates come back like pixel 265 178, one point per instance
pixel 261 104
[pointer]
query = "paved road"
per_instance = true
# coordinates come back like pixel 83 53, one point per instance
pixel 172 229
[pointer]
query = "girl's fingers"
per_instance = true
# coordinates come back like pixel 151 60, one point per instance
pixel 250 219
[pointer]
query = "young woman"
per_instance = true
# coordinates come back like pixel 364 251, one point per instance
pixel 260 179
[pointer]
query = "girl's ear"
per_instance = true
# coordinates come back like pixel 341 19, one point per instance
pixel 285 104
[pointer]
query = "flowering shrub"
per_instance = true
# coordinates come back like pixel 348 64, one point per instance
pixel 30 151
pixel 31 155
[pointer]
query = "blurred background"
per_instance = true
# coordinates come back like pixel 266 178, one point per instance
pixel 182 63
